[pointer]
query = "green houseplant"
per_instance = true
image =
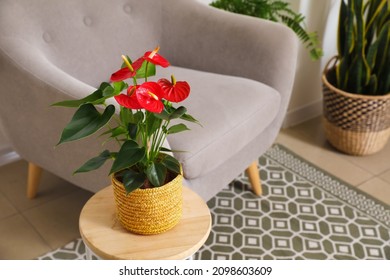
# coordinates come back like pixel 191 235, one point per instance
pixel 278 11
pixel 357 86
pixel 146 179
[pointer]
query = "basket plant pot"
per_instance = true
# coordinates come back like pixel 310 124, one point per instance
pixel 148 211
pixel 354 124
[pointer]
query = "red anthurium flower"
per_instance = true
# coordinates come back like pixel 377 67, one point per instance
pixel 129 100
pixel 126 72
pixel 149 96
pixel 122 74
pixel 155 58
pixel 174 91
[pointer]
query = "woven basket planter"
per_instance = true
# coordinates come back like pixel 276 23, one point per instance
pixel 149 211
pixel 354 124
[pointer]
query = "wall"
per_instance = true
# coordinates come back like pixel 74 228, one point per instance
pixel 306 101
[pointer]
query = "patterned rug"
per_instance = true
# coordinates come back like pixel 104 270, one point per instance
pixel 304 213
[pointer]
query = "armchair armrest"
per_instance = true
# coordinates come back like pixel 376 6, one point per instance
pixel 201 37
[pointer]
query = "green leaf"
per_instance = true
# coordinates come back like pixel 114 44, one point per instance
pixel 342 31
pixel 137 117
pixel 178 113
pixel 86 121
pixel 190 118
pixel 133 180
pixel 171 163
pixel 108 91
pixel 119 86
pixel 115 132
pixel 177 128
pixel 125 115
pixel 156 173
pixel 94 163
pixel 164 115
pixel 146 70
pixel 132 129
pixel 98 94
pixel 129 154
pixel 152 124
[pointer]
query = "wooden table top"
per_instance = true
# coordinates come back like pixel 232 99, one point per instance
pixel 103 234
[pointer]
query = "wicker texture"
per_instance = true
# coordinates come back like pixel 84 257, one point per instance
pixel 355 124
pixel 149 211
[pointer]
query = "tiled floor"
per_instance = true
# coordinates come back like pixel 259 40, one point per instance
pixel 30 228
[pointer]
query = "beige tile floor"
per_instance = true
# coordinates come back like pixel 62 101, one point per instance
pixel 30 228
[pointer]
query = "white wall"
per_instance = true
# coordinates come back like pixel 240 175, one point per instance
pixel 306 100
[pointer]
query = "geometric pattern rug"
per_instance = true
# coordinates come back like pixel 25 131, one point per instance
pixel 304 213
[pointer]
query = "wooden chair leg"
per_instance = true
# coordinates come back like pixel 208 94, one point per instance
pixel 254 178
pixel 33 179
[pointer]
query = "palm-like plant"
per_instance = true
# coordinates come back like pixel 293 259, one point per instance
pixel 278 11
pixel 364 47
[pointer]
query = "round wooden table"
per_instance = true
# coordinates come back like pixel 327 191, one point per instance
pixel 106 238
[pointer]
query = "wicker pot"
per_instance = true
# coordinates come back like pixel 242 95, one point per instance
pixel 149 211
pixel 355 124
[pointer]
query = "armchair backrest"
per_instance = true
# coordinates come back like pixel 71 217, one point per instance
pixel 83 37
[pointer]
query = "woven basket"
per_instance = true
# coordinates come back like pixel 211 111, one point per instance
pixel 149 211
pixel 354 124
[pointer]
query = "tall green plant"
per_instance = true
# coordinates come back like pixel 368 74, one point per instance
pixel 278 11
pixel 364 47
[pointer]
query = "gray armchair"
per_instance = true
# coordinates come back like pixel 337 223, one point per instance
pixel 241 71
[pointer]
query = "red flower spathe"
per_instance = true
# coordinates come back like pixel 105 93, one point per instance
pixel 129 100
pixel 155 58
pixel 146 96
pixel 125 72
pixel 176 91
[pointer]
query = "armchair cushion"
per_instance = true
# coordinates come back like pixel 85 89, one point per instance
pixel 241 71
pixel 232 111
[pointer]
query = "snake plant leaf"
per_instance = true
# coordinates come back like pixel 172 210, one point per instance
pixel 384 69
pixel 129 154
pixel 373 84
pixel 364 47
pixel 156 173
pixel 95 163
pixel 346 44
pixel 85 122
pixel 372 20
pixel 378 50
pixel 133 180
pixel 342 30
pixel 383 48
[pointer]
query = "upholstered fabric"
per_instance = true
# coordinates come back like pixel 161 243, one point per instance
pixel 241 72
pixel 232 111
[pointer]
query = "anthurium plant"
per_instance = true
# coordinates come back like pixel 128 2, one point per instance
pixel 140 127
